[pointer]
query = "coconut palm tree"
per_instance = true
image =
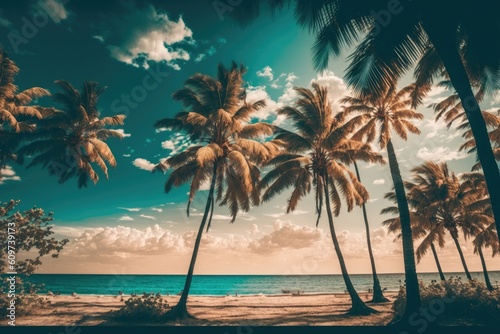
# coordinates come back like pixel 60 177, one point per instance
pixel 225 152
pixel 420 227
pixel 70 141
pixel 317 152
pixel 378 295
pixel 391 112
pixel 16 114
pixel 435 38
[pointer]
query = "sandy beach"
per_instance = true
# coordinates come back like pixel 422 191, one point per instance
pixel 261 310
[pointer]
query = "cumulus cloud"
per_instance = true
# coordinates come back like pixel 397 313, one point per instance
pixel 143 35
pixel 143 164
pixel 254 229
pixel 157 209
pixel 8 174
pixel 440 154
pixel 266 72
pixel 286 235
pixel 337 89
pixel 125 218
pixel 379 181
pixel 435 95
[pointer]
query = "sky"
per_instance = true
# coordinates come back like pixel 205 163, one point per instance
pixel 143 51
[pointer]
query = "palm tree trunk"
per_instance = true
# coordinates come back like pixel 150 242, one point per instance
pixel 485 270
pixel 452 61
pixel 441 275
pixel 378 296
pixel 462 258
pixel 358 306
pixel 179 311
pixel 413 302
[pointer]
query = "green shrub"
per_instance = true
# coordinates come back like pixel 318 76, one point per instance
pixel 470 299
pixel 142 309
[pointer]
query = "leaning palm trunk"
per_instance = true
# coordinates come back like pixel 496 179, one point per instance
pixel 438 265
pixel 378 296
pixel 358 306
pixel 413 302
pixel 485 270
pixel 462 258
pixel 460 80
pixel 179 311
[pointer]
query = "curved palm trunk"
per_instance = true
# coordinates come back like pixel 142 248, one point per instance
pixel 462 258
pixel 485 270
pixel 453 63
pixel 413 302
pixel 179 311
pixel 438 265
pixel 358 306
pixel 378 296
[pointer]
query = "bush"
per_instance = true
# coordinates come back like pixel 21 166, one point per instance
pixel 469 299
pixel 142 309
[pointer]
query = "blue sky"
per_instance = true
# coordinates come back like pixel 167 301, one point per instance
pixel 127 224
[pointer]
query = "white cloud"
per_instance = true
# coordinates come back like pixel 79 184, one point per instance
pixel 286 235
pixel 122 132
pixel 130 209
pixel 144 35
pixel 200 57
pixel 435 95
pixel 126 155
pixel 254 229
pixel 379 181
pixel 54 8
pixel 168 145
pixel 337 89
pixel 147 217
pixel 8 174
pixel 440 154
pixel 157 209
pixel 125 218
pixel 143 164
pixel 266 72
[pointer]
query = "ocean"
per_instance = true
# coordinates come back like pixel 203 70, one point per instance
pixel 220 285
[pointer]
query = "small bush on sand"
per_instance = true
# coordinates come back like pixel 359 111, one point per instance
pixel 142 309
pixel 456 298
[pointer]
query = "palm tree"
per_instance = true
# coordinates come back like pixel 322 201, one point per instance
pixel 72 139
pixel 317 152
pixel 451 110
pixel 420 229
pixel 484 239
pixel 387 112
pixel 224 152
pixel 449 204
pixel 378 295
pixel 16 115
pixel 432 37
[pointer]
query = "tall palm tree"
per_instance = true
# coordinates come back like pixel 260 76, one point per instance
pixel 387 112
pixel 484 239
pixel 224 154
pixel 432 37
pixel 72 139
pixel 378 295
pixel 17 116
pixel 421 228
pixel 317 152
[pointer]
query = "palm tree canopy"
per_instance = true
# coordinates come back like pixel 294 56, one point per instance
pixel 217 120
pixel 72 139
pixel 317 151
pixel 391 38
pixel 380 114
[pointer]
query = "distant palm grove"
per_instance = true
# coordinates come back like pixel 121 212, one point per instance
pixel 316 150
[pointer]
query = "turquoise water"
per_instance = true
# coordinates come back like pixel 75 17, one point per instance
pixel 219 285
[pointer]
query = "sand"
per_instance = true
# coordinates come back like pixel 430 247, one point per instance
pixel 280 310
